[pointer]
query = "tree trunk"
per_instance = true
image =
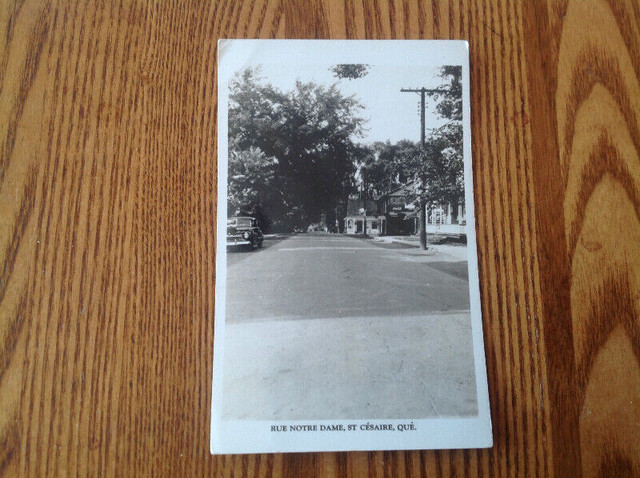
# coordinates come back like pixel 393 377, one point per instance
pixel 422 225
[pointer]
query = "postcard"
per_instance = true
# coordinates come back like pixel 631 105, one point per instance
pixel 347 303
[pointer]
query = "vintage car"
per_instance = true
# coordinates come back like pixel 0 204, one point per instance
pixel 244 231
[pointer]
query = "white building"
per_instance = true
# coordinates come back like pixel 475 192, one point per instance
pixel 355 218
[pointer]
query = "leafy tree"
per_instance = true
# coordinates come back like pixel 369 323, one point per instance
pixel 445 145
pixel 250 190
pixel 450 102
pixel 398 160
pixel 350 71
pixel 440 171
pixel 439 167
pixel 309 132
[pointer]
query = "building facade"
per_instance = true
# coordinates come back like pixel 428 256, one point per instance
pixel 395 213
pixel 361 214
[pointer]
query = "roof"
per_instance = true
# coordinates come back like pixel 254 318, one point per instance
pixel 354 206
pixel 403 190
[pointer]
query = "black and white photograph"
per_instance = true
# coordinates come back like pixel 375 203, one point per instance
pixel 347 299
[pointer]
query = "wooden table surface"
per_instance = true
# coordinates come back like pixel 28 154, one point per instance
pixel 107 246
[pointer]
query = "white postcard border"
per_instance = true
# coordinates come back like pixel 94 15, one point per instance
pixel 245 436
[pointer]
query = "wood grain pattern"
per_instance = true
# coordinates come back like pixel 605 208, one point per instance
pixel 587 207
pixel 107 206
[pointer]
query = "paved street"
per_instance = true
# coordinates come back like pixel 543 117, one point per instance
pixel 307 276
pixel 328 326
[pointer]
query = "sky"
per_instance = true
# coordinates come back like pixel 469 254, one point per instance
pixel 392 115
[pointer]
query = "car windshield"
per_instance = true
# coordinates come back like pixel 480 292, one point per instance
pixel 239 221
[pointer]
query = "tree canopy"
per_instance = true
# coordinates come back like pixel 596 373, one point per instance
pixel 439 166
pixel 294 156
pixel 304 138
pixel 350 71
pixel 450 103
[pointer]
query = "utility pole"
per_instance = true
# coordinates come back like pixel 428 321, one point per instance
pixel 423 92
pixel 364 204
pixel 422 212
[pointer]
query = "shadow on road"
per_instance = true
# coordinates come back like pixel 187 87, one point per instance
pixel 237 254
pixel 457 269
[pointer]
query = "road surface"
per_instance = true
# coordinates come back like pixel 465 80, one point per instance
pixel 307 276
pixel 336 327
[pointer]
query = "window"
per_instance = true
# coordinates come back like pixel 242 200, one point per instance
pixel 374 225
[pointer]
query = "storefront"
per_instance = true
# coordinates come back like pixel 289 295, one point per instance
pixel 375 225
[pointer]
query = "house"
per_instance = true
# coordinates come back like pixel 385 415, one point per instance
pixel 400 210
pixel 355 218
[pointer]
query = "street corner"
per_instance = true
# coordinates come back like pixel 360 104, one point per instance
pixel 433 253
pixel 410 245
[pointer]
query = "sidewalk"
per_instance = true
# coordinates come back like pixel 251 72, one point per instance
pixel 458 252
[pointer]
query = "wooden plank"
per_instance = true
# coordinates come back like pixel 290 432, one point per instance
pixel 107 206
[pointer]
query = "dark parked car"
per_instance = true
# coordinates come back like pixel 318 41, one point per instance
pixel 244 231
